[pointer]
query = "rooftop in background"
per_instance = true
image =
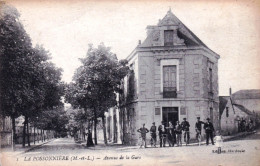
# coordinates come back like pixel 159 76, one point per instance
pixel 244 109
pixel 247 94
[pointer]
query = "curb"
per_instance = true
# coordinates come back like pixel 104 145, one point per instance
pixel 36 146
pixel 237 136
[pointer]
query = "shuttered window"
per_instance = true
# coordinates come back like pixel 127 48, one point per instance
pixel 168 38
pixel 169 81
pixel 210 80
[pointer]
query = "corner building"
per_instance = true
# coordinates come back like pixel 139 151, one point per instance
pixel 173 75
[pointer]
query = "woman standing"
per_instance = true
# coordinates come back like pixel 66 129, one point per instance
pixel 171 134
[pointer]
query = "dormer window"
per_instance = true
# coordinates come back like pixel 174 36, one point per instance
pixel 168 38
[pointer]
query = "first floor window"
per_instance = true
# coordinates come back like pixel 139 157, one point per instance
pixel 169 81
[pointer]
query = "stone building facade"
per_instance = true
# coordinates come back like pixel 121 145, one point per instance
pixel 173 75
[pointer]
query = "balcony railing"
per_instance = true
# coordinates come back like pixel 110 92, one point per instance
pixel 169 92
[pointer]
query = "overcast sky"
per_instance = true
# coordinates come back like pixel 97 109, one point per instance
pixel 65 28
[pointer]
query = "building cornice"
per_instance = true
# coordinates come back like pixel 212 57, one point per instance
pixel 179 49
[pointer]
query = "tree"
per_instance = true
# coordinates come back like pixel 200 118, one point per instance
pixel 29 83
pixel 15 49
pixel 96 82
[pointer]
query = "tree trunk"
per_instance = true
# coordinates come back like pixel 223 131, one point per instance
pixel 104 130
pixel 95 127
pixel 41 136
pixel 38 135
pixel 24 131
pixel 28 134
pixel 14 133
pixel 34 135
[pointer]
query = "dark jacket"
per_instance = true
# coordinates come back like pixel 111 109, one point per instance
pixel 178 129
pixel 185 126
pixel 162 129
pixel 153 129
pixel 198 125
pixel 208 126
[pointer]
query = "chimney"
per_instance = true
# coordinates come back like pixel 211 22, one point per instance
pixel 139 42
pixel 230 92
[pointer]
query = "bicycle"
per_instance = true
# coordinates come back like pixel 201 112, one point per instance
pixel 186 137
pixel 152 140
pixel 198 136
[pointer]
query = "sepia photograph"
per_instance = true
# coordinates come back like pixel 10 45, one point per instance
pixel 109 82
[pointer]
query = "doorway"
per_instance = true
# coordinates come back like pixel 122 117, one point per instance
pixel 170 114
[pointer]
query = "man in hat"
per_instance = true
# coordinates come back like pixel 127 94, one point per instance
pixel 198 127
pixel 209 129
pixel 186 128
pixel 143 132
pixel 153 134
pixel 162 134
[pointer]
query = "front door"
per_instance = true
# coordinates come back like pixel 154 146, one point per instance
pixel 170 114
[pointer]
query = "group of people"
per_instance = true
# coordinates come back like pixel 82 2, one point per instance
pixel 245 125
pixel 172 133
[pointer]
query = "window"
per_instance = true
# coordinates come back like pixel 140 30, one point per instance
pixel 227 112
pixel 169 81
pixel 157 111
pixel 210 80
pixel 211 114
pixel 168 38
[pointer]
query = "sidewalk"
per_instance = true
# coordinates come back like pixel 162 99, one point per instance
pixel 101 146
pixel 20 150
pixel 238 135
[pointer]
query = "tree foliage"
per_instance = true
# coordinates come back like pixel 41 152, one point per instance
pixel 96 81
pixel 30 84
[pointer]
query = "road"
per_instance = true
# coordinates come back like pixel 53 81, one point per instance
pixel 64 151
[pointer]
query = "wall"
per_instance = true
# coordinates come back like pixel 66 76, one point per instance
pixel 5 131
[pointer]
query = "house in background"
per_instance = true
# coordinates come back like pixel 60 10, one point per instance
pixel 248 98
pixel 174 75
pixel 232 114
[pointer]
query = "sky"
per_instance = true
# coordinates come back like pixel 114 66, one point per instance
pixel 229 28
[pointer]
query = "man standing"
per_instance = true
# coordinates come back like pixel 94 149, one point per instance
pixel 143 132
pixel 178 131
pixel 209 129
pixel 198 127
pixel 186 128
pixel 153 134
pixel 162 134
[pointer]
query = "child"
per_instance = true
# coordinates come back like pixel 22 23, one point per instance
pixel 219 141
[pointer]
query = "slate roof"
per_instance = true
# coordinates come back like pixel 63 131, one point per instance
pixel 244 109
pixel 223 100
pixel 247 94
pixel 190 39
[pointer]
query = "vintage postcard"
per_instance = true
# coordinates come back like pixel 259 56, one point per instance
pixel 109 82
